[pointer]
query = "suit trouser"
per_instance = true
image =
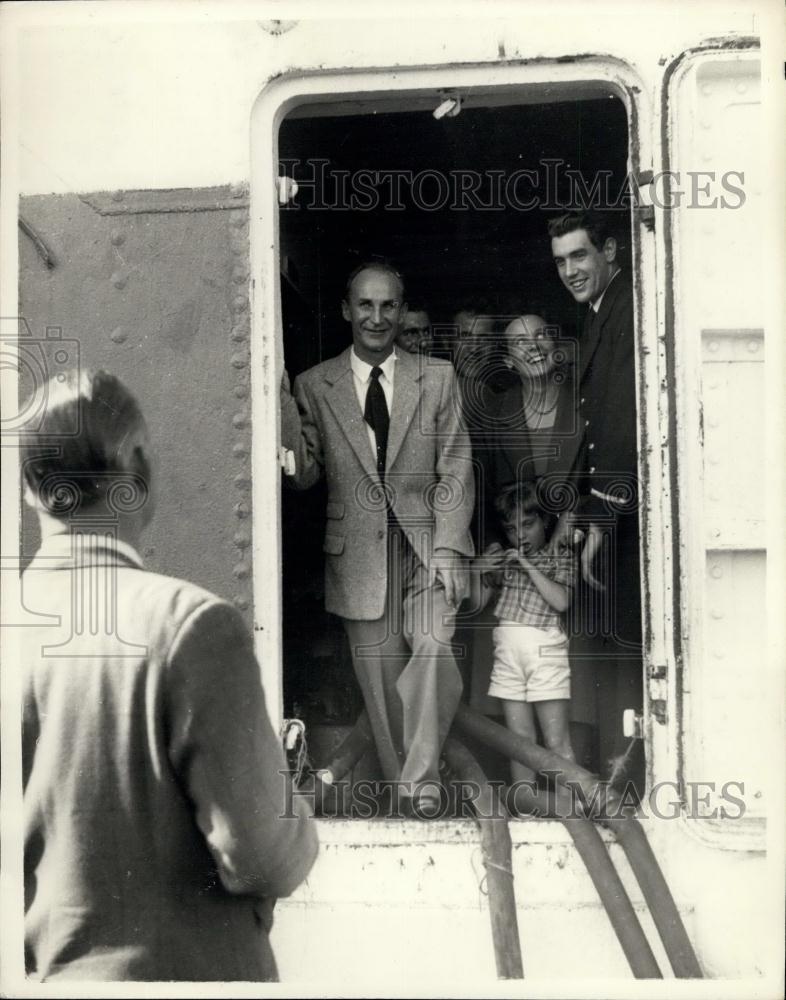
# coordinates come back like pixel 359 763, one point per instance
pixel 406 669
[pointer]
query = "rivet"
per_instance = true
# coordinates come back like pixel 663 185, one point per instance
pixel 117 237
pixel 119 279
pixel 239 420
pixel 239 449
pixel 240 303
pixel 242 510
pixel 117 196
pixel 239 360
pixel 242 540
pixel 716 572
pixel 240 275
pixel 242 482
pixel 239 332
pixel 148 551
pixel 237 217
pixel 241 390
pixel 714 346
pixel 241 571
pixel 753 346
pixel 240 602
pixel 118 335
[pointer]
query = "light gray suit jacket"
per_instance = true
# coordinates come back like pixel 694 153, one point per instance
pixel 428 472
pixel 152 784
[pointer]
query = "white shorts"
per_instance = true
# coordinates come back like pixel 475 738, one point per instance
pixel 530 663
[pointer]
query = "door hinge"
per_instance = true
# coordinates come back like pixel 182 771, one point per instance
pixel 645 204
pixel 657 689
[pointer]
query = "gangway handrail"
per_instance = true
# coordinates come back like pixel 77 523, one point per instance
pixel 492 820
pixel 602 804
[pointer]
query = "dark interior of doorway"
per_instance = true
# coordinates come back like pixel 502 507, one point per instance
pixel 450 254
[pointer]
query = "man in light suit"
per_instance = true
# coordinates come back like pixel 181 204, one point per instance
pixel 159 820
pixel 384 427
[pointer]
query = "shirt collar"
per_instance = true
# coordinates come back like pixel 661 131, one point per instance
pixel 62 545
pixel 595 306
pixel 363 370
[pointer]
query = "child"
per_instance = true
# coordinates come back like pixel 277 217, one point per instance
pixel 531 673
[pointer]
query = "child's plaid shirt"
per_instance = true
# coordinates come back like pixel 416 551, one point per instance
pixel 521 601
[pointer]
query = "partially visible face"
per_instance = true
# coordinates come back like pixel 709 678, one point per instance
pixel 475 338
pixel 374 308
pixel 585 271
pixel 525 531
pixel 529 343
pixel 415 332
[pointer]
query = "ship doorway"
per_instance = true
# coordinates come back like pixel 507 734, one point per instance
pixel 459 203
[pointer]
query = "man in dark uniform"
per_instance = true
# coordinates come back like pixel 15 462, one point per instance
pixel 605 472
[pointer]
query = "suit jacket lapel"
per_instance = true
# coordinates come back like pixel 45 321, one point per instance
pixel 343 401
pixel 406 396
pixel 588 344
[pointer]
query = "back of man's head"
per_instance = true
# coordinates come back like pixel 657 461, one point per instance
pixel 86 441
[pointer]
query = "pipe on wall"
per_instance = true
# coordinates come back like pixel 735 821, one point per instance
pixel 497 851
pixel 628 830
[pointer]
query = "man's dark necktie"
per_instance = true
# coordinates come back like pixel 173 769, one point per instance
pixel 377 417
pixel 589 324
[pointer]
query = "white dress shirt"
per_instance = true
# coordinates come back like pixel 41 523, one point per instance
pixel 361 374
